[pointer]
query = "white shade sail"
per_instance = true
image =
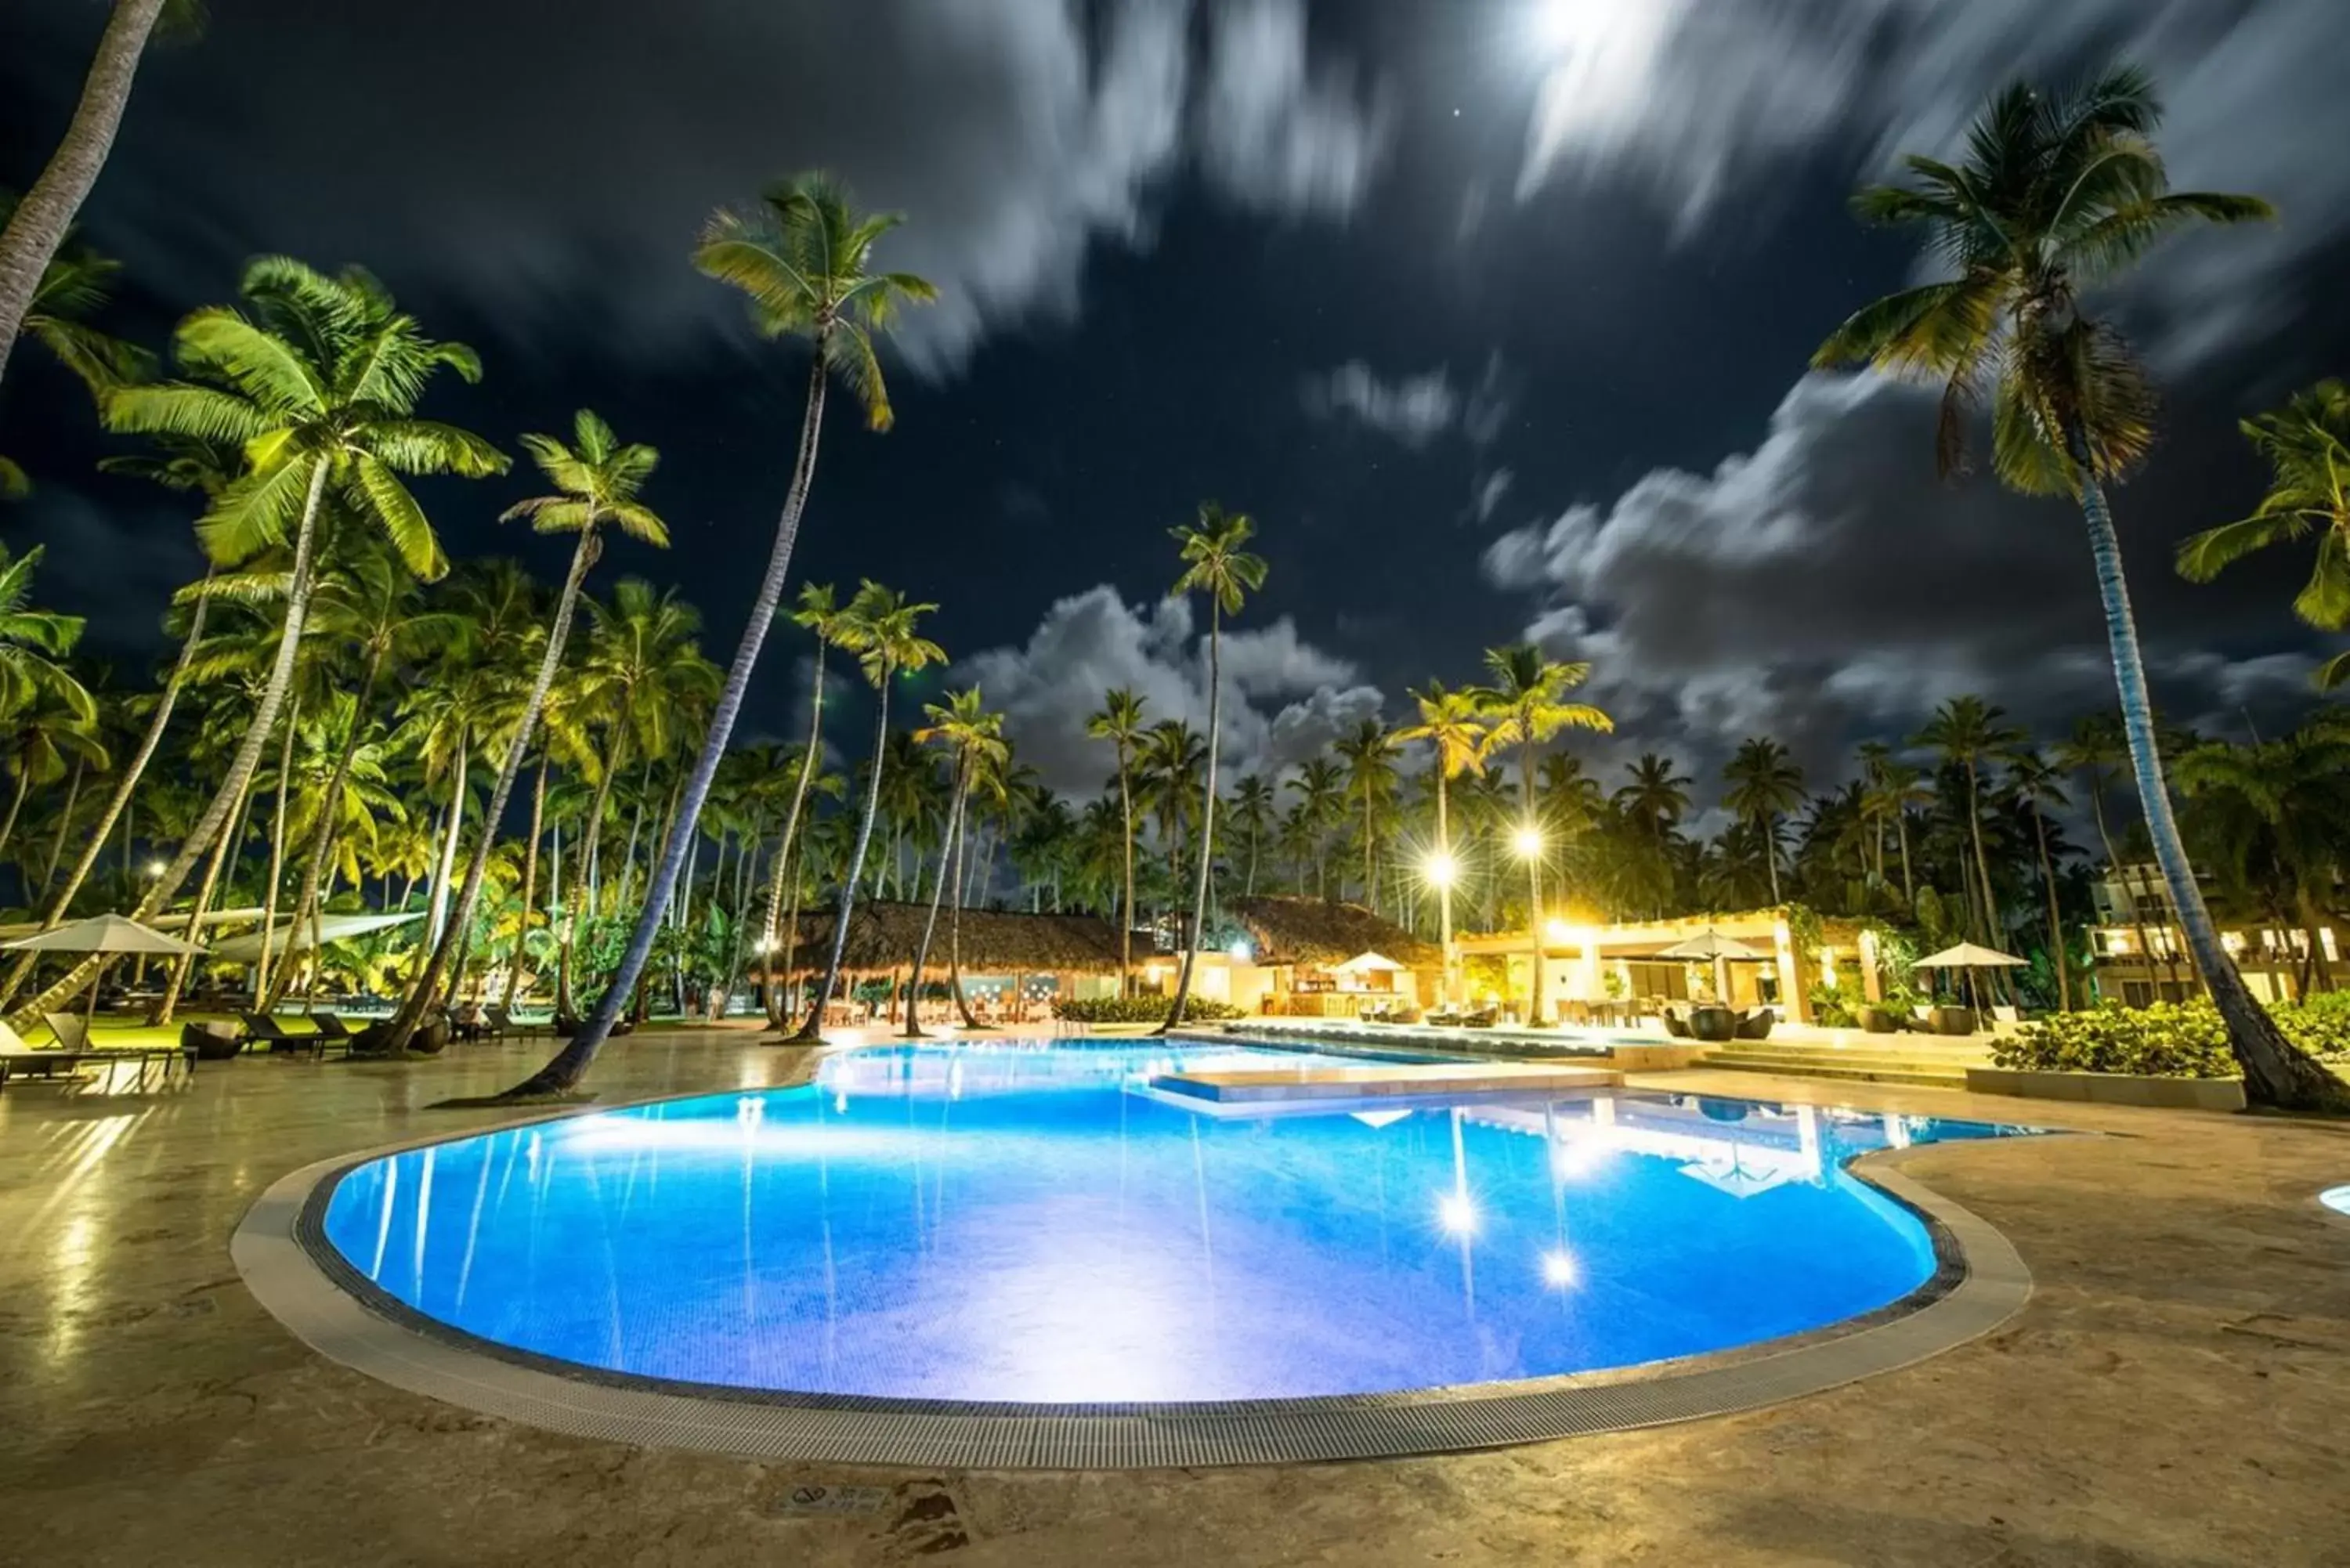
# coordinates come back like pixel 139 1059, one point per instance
pixel 331 929
pixel 1368 963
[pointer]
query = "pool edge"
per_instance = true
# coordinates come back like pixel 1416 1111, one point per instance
pixel 284 1273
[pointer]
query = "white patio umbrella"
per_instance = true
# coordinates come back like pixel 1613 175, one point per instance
pixel 101 934
pixel 1970 957
pixel 1713 947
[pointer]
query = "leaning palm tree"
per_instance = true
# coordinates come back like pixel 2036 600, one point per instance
pixel 76 283
pixel 596 481
pixel 1119 721
pixel 805 258
pixel 2056 194
pixel 1526 707
pixel 1453 725
pixel 817 612
pixel 36 229
pixel 1764 786
pixel 318 379
pixel 881 627
pixel 974 737
pixel 2307 444
pixel 1214 564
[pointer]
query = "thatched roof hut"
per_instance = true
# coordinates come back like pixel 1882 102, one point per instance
pixel 1320 932
pixel 882 935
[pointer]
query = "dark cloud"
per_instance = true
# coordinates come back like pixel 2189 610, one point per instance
pixel 1093 641
pixel 557 174
pixel 1826 584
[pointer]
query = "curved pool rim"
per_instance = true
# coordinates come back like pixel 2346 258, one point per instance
pixel 281 1250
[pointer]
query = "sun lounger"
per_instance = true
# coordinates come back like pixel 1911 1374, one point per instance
pixel 261 1029
pixel 74 1052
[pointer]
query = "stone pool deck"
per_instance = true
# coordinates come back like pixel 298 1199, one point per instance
pixel 2177 1393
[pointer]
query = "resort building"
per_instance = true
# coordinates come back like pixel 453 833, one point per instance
pixel 2142 956
pixel 1615 973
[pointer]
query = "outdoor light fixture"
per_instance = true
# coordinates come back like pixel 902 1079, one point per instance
pixel 1557 932
pixel 1456 1214
pixel 1239 950
pixel 1559 1269
pixel 1441 870
pixel 1528 840
pixel 156 869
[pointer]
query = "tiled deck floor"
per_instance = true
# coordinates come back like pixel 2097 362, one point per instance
pixel 2177 1392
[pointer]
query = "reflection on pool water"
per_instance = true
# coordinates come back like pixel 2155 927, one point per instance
pixel 1028 1223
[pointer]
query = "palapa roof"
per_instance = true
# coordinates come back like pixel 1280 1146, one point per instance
pixel 883 934
pixel 1321 931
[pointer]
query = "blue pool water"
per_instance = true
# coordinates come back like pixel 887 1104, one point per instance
pixel 1029 1223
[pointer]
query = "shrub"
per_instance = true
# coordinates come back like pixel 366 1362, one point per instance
pixel 2168 1039
pixel 2320 1026
pixel 1136 1010
pixel 1833 1008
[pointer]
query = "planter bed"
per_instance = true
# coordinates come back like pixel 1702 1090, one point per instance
pixel 2111 1089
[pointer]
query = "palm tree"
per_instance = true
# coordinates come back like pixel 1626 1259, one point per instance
pixel 2057 194
pixel 1119 722
pixel 1453 725
pixel 1253 799
pixel 1764 786
pixel 1368 754
pixel 596 481
pixel 1216 564
pixel 2034 784
pixel 974 738
pixel 816 612
pixel 317 380
pixel 881 627
pixel 76 283
pixel 804 257
pixel 35 230
pixel 1969 734
pixel 39 742
pixel 1888 789
pixel 2307 444
pixel 32 643
pixel 1655 800
pixel 1526 707
pixel 2287 798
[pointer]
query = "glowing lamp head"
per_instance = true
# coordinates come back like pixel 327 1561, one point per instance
pixel 1456 1214
pixel 1528 840
pixel 1441 870
pixel 1558 1270
pixel 1557 932
pixel 156 869
pixel 1241 951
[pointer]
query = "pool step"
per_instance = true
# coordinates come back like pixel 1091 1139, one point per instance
pixel 1933 1067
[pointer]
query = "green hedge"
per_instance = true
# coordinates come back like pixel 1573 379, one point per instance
pixel 1136 1010
pixel 2168 1039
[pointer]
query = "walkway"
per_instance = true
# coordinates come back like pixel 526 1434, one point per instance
pixel 2177 1393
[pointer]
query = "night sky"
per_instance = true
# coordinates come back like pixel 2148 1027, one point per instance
pixel 1494 315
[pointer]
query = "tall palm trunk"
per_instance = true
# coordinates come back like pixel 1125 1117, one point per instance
pixel 124 788
pixel 954 941
pixel 812 1027
pixel 262 970
pixel 564 1071
pixel 16 803
pixel 420 995
pixel 529 875
pixel 205 888
pixel 1444 886
pixel 1205 847
pixel 2056 953
pixel 65 830
pixel 1126 908
pixel 584 890
pixel 1770 852
pixel 1992 934
pixel 2275 1071
pixel 437 924
pixel 38 225
pixel 777 1010
pixel 1908 883
pixel 949 869
pixel 231 793
pixel 1533 872
pixel 307 903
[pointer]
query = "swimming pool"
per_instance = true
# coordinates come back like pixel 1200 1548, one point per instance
pixel 1032 1224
